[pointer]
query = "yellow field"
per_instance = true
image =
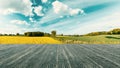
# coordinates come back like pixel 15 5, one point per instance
pixel 27 40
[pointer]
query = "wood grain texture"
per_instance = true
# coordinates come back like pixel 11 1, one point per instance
pixel 60 56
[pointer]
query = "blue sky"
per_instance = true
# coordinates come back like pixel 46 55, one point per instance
pixel 64 16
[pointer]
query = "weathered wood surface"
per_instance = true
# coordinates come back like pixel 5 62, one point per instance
pixel 60 56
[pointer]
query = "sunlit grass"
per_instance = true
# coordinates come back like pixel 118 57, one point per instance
pixel 27 40
pixel 100 39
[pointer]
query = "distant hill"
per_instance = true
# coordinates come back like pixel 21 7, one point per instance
pixel 111 32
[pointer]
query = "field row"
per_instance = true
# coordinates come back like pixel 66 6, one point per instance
pixel 59 56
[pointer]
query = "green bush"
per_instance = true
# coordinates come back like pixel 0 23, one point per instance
pixel 33 34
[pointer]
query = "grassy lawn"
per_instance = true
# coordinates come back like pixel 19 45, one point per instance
pixel 27 40
pixel 100 39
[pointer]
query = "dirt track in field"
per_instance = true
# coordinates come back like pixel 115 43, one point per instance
pixel 60 56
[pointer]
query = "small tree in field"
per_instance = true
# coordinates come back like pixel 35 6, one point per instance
pixel 17 34
pixel 53 33
pixel 61 35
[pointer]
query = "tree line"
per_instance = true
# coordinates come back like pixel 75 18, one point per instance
pixel 111 32
pixel 54 33
pixel 32 34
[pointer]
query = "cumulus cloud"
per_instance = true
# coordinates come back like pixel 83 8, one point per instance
pixel 76 11
pixel 19 22
pixel 20 6
pixel 38 10
pixel 7 11
pixel 60 8
pixel 32 20
pixel 44 1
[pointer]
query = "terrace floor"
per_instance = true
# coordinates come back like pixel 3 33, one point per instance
pixel 60 56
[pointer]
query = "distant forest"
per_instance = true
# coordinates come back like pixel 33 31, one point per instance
pixel 111 32
pixel 32 34
pixel 54 33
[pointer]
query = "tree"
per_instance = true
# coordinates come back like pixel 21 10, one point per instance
pixel 116 31
pixel 33 34
pixel 5 34
pixel 61 35
pixel 17 34
pixel 46 34
pixel 0 34
pixel 53 33
pixel 10 34
pixel 28 33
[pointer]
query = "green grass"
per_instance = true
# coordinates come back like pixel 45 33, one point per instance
pixel 100 39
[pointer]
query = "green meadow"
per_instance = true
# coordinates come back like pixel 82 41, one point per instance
pixel 99 39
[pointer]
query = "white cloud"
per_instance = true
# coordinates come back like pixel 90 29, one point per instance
pixel 105 23
pixel 60 8
pixel 28 9
pixel 38 10
pixel 32 20
pixel 20 6
pixel 8 28
pixel 76 11
pixel 19 22
pixel 7 11
pixel 44 1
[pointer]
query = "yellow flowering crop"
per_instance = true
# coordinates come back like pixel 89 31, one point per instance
pixel 27 40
